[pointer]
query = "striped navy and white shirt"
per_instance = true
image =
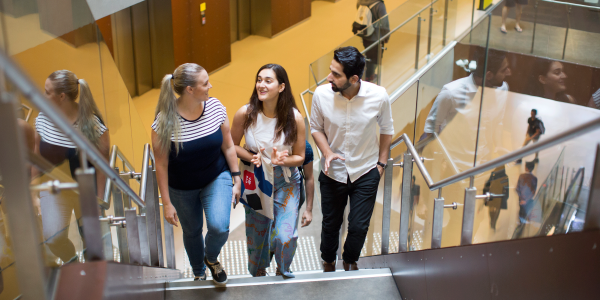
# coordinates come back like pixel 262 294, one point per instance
pixel 200 159
pixel 55 146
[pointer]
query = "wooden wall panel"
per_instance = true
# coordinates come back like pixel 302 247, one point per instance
pixel 105 27
pixel 285 14
pixel 207 45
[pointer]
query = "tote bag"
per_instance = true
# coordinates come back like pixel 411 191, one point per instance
pixel 257 187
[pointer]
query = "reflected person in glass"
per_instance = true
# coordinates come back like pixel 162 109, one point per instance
pixel 497 184
pixel 535 128
pixel 274 132
pixel 344 120
pixel 526 188
pixel 63 88
pixel 194 156
pixel 457 94
pixel 519 10
pixel 548 81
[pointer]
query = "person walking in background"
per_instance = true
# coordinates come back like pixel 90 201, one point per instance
pixel 535 128
pixel 526 187
pixel 344 119
pixel 274 128
pixel 194 155
pixel 376 10
pixel 497 184
pixel 519 11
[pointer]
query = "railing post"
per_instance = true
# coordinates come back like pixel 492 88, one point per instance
pixel 405 202
pixel 534 24
pixel 430 31
pixel 17 204
pixel 592 215
pixel 143 234
pixel 466 237
pixel 567 31
pixel 119 212
pixel 169 244
pixel 418 42
pixel 90 213
pixel 438 221
pixel 152 223
pixel 445 23
pixel 133 237
pixel 387 206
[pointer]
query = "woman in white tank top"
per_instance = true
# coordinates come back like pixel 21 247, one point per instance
pixel 272 126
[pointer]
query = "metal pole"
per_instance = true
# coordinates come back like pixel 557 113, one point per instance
pixel 438 222
pixel 119 212
pixel 466 237
pixel 445 23
pixel 17 205
pixel 151 220
pixel 592 216
pixel 405 202
pixel 169 244
pixel 90 212
pixel 430 31
pixel 534 24
pixel 143 234
pixel 567 31
pixel 387 206
pixel 133 237
pixel 161 259
pixel 418 42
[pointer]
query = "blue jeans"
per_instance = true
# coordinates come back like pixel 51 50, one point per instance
pixel 215 201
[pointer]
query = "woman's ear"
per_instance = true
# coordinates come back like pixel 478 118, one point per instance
pixel 281 87
pixel 189 89
pixel 542 79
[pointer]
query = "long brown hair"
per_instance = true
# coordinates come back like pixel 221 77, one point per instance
pixel 286 104
pixel 65 81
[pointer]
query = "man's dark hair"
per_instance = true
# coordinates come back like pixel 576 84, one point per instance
pixel 494 61
pixel 351 60
pixel 530 166
pixel 534 111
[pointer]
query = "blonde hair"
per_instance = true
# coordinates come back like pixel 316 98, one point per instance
pixel 65 81
pixel 168 122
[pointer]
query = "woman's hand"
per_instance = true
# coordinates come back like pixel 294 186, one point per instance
pixel 237 191
pixel 306 218
pixel 256 158
pixel 278 158
pixel 171 214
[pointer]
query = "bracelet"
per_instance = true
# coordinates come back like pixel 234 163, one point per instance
pixel 233 174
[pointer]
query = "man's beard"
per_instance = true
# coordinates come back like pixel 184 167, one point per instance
pixel 343 88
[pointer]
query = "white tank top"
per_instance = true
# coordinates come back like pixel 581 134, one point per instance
pixel 263 132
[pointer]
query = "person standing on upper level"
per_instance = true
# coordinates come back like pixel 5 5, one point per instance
pixel 344 118
pixel 194 155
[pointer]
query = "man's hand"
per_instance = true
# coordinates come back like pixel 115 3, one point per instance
pixel 328 158
pixel 380 169
pixel 306 218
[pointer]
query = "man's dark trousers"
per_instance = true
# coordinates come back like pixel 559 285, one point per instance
pixel 334 197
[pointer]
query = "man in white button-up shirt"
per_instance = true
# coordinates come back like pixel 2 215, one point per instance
pixel 344 119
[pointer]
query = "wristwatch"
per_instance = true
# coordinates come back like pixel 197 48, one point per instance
pixel 233 174
pixel 381 164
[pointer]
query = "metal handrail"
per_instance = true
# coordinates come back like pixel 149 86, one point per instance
pixel 114 154
pixel 502 160
pixel 399 26
pixel 28 88
pixel 572 4
pixel 148 154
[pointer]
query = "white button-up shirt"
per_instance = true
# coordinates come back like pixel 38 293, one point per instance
pixel 350 127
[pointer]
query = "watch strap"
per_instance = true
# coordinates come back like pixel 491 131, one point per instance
pixel 233 174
